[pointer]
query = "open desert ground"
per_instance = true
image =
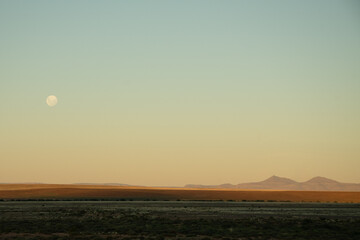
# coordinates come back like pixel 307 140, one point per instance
pixel 196 220
pixel 53 191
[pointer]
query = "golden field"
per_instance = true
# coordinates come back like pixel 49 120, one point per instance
pixel 69 191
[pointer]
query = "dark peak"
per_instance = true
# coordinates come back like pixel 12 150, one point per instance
pixel 279 179
pixel 321 180
pixel 274 177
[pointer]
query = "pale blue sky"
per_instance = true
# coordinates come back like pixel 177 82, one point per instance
pixel 176 92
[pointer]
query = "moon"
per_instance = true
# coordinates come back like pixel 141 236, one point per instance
pixel 51 100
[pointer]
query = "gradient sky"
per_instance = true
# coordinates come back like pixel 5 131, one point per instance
pixel 175 92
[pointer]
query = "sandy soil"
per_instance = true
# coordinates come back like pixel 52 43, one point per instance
pixel 25 191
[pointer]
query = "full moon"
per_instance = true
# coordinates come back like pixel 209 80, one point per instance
pixel 51 100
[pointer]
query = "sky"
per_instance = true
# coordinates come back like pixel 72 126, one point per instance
pixel 166 93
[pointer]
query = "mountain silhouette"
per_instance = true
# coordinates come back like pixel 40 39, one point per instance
pixel 278 180
pixel 281 183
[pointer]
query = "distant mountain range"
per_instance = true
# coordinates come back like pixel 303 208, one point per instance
pixel 280 183
pixel 106 184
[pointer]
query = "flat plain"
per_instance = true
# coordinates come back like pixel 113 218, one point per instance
pixel 177 220
pixel 49 211
pixel 81 192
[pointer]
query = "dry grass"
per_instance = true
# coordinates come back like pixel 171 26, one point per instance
pixel 26 191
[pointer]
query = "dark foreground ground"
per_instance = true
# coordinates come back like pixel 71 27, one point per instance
pixel 177 220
